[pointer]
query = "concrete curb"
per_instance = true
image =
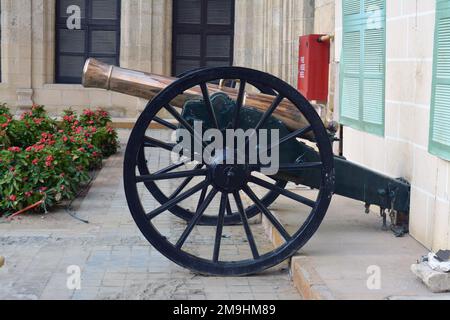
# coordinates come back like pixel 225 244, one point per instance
pixel 307 281
pixel 305 277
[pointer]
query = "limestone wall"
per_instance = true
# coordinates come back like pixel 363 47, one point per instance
pixel 403 152
pixel 267 35
pixel 324 23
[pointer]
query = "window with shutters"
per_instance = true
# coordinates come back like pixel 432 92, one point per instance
pixel 203 34
pixel 440 101
pixel 363 65
pixel 97 37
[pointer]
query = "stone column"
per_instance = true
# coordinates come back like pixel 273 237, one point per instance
pixel 17 51
pixel 146 42
pixel 267 35
pixel 43 44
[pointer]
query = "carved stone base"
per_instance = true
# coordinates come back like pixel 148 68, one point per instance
pixel 24 99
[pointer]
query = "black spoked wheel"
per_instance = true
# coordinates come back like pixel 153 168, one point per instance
pixel 223 190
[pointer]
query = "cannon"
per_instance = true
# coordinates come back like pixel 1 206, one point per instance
pixel 220 192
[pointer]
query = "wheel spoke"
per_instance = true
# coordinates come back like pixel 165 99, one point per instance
pixel 276 102
pixel 165 123
pixel 296 134
pixel 274 221
pixel 219 230
pixel 154 143
pixel 269 112
pixel 229 210
pixel 172 175
pixel 172 167
pixel 209 107
pixel 173 202
pixel 239 104
pixel 248 231
pixel 184 124
pixel 202 197
pixel 283 192
pixel 184 183
pixel 196 218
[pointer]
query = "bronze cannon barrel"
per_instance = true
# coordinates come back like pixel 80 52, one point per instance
pixel 97 74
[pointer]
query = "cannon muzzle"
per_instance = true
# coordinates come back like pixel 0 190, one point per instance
pixel 97 74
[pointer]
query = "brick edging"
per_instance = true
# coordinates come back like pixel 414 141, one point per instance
pixel 307 281
pixel 305 277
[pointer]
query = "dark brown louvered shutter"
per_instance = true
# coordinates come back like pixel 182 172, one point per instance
pixel 99 37
pixel 203 34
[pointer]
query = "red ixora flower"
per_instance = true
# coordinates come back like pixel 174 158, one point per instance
pixel 12 198
pixel 49 161
pixel 88 113
pixel 69 118
pixel 14 149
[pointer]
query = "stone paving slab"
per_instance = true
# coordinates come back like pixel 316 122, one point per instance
pixel 116 261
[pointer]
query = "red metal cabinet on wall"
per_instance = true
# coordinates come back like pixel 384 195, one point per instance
pixel 314 65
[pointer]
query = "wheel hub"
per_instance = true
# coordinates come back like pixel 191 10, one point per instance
pixel 228 177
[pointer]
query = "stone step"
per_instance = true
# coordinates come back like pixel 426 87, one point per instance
pixel 305 278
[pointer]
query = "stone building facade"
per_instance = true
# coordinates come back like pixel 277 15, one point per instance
pixel 266 36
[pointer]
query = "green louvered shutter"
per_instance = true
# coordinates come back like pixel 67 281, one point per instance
pixel 374 67
pixel 351 76
pixel 351 64
pixel 351 7
pixel 440 104
pixel 363 65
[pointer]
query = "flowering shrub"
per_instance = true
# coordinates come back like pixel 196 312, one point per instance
pixel 43 160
